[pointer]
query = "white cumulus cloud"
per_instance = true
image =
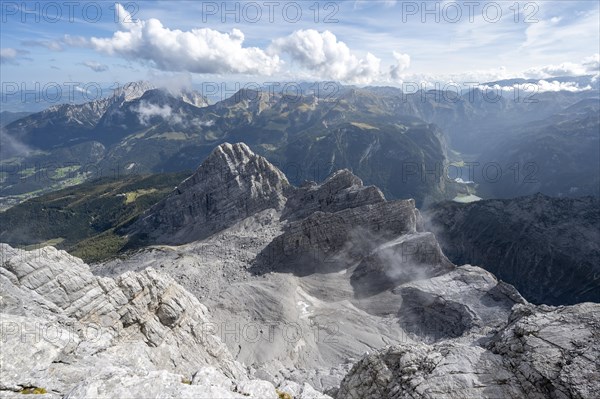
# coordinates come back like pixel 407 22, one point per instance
pixel 587 66
pixel 402 63
pixel 548 71
pixel 592 64
pixel 198 50
pixel 322 53
pixel 545 85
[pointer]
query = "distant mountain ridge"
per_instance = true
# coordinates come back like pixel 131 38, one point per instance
pixel 160 132
pixel 557 156
pixel 398 141
pixel 80 122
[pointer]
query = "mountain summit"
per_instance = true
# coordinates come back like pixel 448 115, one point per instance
pixel 132 90
pixel 230 185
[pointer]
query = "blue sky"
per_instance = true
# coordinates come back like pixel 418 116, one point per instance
pixel 358 42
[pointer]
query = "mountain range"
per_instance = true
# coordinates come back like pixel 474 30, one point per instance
pixel 158 131
pixel 241 284
pixel 406 144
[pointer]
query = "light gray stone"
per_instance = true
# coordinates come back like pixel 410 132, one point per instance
pixel 541 353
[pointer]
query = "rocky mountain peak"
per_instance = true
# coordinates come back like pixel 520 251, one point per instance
pixel 133 90
pixel 232 184
pixel 194 98
pixel 249 99
pixel 344 178
pixel 235 160
pixel 232 154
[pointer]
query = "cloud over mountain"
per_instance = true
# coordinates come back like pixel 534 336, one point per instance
pixel 323 53
pixel 587 66
pixel 146 111
pixel 204 50
pixel 197 50
pixel 402 63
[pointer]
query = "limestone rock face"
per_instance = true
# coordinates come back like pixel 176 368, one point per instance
pixel 553 351
pixel 137 335
pixel 152 384
pixel 467 300
pixel 314 243
pixel 139 320
pixel 232 184
pixel 425 371
pixel 542 353
pixel 342 190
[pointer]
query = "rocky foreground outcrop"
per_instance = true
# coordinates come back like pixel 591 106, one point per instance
pixel 541 353
pixel 68 333
pixel 307 281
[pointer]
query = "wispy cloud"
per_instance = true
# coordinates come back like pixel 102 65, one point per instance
pixel 95 66
pixel 558 32
pixel 11 146
pixel 148 113
pixel 11 55
pixel 53 45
